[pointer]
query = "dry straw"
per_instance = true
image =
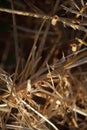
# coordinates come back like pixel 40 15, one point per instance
pixel 46 98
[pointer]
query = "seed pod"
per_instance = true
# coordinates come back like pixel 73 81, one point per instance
pixel 54 20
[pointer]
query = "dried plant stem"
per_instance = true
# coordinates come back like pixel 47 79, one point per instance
pixel 15 32
pixel 39 53
pixel 82 10
pixel 71 23
pixel 43 117
pixel 78 63
pixel 17 12
pixel 9 126
pixel 73 58
pixel 73 11
pixel 76 60
pixel 46 33
pixel 24 29
pixel 80 112
pixel 27 68
pixel 53 87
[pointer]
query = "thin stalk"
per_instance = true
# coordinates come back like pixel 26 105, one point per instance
pixel 15 32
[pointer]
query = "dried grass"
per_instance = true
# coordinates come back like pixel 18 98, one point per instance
pixel 43 96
